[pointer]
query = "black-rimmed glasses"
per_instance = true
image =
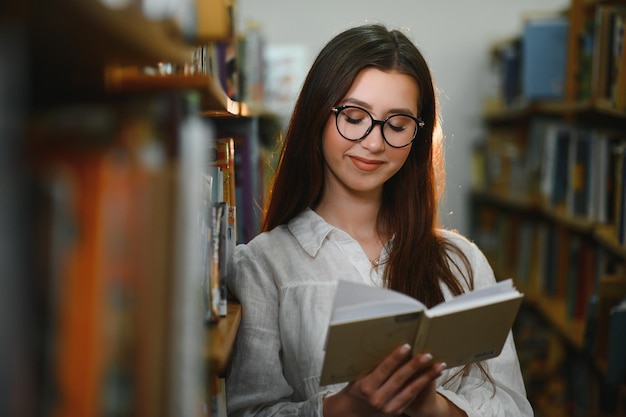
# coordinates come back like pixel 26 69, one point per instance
pixel 355 123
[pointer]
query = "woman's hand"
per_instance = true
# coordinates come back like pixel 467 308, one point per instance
pixel 397 383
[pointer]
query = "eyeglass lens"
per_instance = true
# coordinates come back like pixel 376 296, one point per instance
pixel 355 123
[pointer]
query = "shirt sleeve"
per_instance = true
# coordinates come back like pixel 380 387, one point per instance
pixel 255 383
pixel 470 391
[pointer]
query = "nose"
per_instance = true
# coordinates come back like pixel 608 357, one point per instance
pixel 374 140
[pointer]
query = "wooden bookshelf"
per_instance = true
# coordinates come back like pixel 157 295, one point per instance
pixel 92 120
pixel 536 213
pixel 534 205
pixel 88 32
pixel 131 80
pixel 606 236
pixel 553 309
pixel 221 338
pixel 564 109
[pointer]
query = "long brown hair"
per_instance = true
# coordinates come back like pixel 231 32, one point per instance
pixel 419 260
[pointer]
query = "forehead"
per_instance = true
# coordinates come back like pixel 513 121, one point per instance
pixel 383 91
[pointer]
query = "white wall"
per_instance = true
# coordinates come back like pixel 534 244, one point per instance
pixel 453 35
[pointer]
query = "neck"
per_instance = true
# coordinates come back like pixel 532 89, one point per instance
pixel 356 220
pixel 355 215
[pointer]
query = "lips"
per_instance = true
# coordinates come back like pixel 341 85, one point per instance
pixel 365 164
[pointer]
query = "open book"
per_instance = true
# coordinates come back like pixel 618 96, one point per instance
pixel 368 322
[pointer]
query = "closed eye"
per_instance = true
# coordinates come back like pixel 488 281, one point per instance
pixel 354 120
pixel 397 125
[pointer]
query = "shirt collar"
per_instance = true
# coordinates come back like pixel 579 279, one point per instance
pixel 310 230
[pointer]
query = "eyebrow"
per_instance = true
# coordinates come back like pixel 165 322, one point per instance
pixel 365 105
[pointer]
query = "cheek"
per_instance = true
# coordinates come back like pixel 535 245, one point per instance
pixel 399 156
pixel 332 142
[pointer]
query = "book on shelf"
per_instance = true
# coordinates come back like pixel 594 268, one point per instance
pixel 619 88
pixel 249 188
pixel 110 275
pixel 608 46
pixel 576 170
pixel 589 274
pixel 509 62
pixel 226 163
pixel 551 260
pixel 508 240
pixel 616 60
pixel 220 190
pixel 619 155
pixel 575 248
pixel 222 160
pixel 555 165
pixel 544 58
pixel 186 365
pixel 579 168
pixel 616 360
pixel 223 65
pixel 154 284
pixel 537 145
pixel 601 52
pixel 368 322
pixel 586 60
pixel 75 303
pixel 610 292
pixel 214 240
pixel 523 263
pixel 217 404
pixel 599 178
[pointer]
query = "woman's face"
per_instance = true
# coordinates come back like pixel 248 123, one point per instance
pixel 364 166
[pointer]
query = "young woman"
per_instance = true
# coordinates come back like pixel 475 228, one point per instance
pixel 355 197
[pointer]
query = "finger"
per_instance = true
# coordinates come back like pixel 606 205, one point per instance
pixel 368 387
pixel 418 370
pixel 391 376
pixel 423 380
pixel 407 371
pixel 389 365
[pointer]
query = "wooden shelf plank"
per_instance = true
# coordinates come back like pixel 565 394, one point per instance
pixel 120 79
pixel 494 114
pixel 607 237
pixel 221 338
pixel 554 310
pixel 88 32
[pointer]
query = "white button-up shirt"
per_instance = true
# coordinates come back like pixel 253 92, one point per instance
pixel 285 280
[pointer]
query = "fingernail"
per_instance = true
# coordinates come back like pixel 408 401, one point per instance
pixel 442 366
pixel 405 348
pixel 428 357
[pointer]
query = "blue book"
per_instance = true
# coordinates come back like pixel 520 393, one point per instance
pixel 544 58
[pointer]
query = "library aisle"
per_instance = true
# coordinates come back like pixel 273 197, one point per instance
pixel 548 203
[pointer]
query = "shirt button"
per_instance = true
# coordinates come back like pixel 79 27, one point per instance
pixel 356 258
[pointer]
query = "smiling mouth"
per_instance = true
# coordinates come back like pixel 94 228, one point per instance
pixel 365 164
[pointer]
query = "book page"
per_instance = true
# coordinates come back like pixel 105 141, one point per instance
pixel 357 301
pixel 503 290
